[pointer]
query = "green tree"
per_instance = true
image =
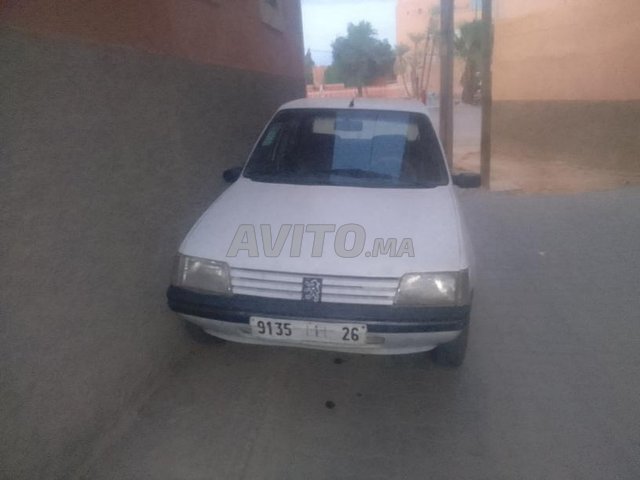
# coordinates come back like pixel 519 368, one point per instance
pixel 361 57
pixel 308 67
pixel 468 45
pixel 333 75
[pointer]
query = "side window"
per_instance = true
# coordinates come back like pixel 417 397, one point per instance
pixel 433 161
pixel 263 157
pixel 285 144
pixel 271 135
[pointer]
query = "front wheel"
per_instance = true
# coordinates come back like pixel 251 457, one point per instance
pixel 451 354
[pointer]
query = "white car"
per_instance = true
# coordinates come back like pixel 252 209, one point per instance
pixel 341 232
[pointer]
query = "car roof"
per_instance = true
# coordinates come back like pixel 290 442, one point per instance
pixel 394 105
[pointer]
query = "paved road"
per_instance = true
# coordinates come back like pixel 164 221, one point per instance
pixel 550 389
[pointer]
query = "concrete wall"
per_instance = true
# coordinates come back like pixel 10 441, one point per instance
pixel 108 154
pixel 600 135
pixel 566 80
pixel 413 17
pixel 583 50
pixel 245 34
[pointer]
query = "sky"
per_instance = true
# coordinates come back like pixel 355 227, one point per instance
pixel 324 20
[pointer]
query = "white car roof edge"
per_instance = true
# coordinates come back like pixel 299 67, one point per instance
pixel 402 105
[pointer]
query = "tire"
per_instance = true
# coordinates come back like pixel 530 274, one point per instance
pixel 198 335
pixel 451 354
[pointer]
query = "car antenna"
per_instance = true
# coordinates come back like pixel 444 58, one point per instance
pixel 352 102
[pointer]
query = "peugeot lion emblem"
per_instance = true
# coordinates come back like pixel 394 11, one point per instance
pixel 311 289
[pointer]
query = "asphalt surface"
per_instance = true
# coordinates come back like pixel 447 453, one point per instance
pixel 550 388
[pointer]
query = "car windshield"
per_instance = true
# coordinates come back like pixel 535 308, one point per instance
pixel 364 148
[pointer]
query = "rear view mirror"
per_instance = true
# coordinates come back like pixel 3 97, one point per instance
pixel 467 180
pixel 232 174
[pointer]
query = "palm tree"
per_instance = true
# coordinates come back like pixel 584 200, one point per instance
pixel 468 45
pixel 413 63
pixel 401 65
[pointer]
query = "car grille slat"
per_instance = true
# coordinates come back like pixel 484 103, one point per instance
pixel 335 289
pixel 265 284
pixel 261 292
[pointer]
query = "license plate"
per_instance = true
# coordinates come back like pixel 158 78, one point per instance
pixel 305 331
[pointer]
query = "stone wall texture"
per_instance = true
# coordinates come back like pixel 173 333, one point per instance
pixel 109 154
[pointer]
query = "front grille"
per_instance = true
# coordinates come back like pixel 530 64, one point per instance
pixel 335 289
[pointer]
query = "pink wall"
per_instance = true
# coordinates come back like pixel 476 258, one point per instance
pixel 567 50
pixel 205 31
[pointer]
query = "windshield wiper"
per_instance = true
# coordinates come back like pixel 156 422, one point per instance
pixel 269 174
pixel 287 176
pixel 317 177
pixel 355 173
pixel 414 184
pixel 359 173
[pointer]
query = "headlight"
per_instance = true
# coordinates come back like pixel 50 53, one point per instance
pixel 201 274
pixel 445 289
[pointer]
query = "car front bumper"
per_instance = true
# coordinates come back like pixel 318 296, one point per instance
pixel 390 329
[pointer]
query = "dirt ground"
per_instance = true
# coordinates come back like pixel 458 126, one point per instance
pixel 519 171
pixel 528 174
pixel 549 388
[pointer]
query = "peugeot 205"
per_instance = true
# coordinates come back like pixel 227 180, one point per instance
pixel 342 232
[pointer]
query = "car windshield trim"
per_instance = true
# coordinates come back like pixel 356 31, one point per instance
pixel 336 181
pixel 349 147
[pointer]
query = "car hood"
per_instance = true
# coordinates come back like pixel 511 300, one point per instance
pixel 427 217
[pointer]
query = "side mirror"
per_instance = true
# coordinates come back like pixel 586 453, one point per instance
pixel 232 174
pixel 467 180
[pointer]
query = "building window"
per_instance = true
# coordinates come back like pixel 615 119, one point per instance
pixel 271 14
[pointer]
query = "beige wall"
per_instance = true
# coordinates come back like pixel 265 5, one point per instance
pixel 412 17
pixel 517 8
pixel 587 50
pixel 214 32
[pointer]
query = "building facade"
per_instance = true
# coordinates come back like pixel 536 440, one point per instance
pixel 251 35
pixel 566 79
pixel 413 17
pixel 117 119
